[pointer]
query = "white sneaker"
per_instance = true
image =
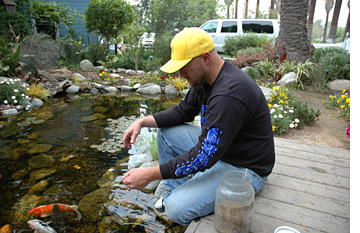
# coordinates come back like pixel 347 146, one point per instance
pixel 160 205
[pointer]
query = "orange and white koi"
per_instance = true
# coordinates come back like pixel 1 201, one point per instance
pixel 47 210
pixel 5 229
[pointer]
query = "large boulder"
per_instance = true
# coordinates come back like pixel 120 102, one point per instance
pixel 55 81
pixel 86 65
pixel 339 85
pixel 288 79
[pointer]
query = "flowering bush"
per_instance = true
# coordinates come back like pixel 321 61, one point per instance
pixel 151 78
pixel 13 91
pixel 286 111
pixel 341 100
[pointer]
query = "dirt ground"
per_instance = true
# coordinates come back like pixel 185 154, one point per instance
pixel 329 130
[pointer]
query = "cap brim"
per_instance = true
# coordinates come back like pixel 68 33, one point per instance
pixel 172 66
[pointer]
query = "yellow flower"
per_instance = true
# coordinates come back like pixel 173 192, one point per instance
pixel 100 74
pixel 273 128
pixel 344 91
pixel 342 106
pixel 348 101
pixel 270 105
pixel 342 97
pixel 281 101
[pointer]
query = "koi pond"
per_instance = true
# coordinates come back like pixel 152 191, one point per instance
pixel 49 156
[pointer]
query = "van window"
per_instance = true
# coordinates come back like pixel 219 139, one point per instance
pixel 258 27
pixel 210 27
pixel 229 26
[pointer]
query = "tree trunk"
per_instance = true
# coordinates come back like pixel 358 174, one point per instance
pixel 257 14
pixel 347 27
pixel 246 9
pixel 328 6
pixel 311 18
pixel 236 8
pixel 293 30
pixel 334 21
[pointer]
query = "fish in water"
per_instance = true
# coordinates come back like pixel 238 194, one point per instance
pixel 47 210
pixel 40 227
pixel 56 218
pixel 6 229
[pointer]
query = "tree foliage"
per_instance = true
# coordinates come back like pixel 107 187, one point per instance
pixel 108 17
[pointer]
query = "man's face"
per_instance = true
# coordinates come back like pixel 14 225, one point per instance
pixel 194 71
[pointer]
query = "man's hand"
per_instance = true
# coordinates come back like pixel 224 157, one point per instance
pixel 134 130
pixel 138 178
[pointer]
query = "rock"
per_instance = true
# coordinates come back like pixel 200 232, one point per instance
pixel 138 159
pixel 288 79
pixel 45 115
pixel 55 80
pixel 111 89
pixel 94 91
pixel 41 161
pixel 41 173
pixel 137 85
pixel 170 90
pixel 339 85
pixel 114 223
pixel 267 92
pixel 40 148
pixel 131 72
pixel 10 112
pixel 16 153
pixel 86 65
pixel 18 175
pixel 73 89
pixel 161 191
pixel 92 204
pixel 100 109
pixel 39 187
pixel 115 75
pixel 119 70
pixel 19 212
pixel 36 103
pixel 127 88
pixel 149 88
pixel 89 118
pixel 151 187
pixel 79 77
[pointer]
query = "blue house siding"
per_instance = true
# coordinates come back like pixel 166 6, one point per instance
pixel 79 26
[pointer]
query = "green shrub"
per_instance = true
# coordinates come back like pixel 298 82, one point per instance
pixel 252 72
pixel 68 49
pixel 44 53
pixel 235 43
pixel 267 68
pixel 162 49
pixel 336 60
pixel 95 52
pixel 19 23
pixel 12 91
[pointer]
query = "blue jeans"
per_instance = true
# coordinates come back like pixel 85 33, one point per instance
pixel 195 197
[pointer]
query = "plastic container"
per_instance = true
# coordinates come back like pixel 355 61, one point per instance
pixel 234 203
pixel 286 229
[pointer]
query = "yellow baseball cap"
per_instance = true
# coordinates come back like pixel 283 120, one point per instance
pixel 187 44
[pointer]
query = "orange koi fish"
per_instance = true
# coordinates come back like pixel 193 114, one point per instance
pixel 6 229
pixel 46 210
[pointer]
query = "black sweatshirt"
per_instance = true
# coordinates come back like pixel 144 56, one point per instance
pixel 235 122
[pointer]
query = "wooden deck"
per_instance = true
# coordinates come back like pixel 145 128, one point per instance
pixel 308 190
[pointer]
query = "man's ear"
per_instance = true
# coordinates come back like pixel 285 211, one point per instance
pixel 206 56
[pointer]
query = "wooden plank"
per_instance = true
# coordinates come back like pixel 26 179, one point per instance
pixel 306 200
pixel 305 186
pixel 320 167
pixel 324 150
pixel 328 179
pixel 309 156
pixel 315 219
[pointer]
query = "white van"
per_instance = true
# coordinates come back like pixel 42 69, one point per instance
pixel 218 29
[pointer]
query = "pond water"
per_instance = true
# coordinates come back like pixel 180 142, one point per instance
pixel 46 156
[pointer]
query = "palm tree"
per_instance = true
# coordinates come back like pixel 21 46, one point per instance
pixel 246 9
pixel 257 14
pixel 236 8
pixel 293 30
pixel 311 18
pixel 334 21
pixel 328 6
pixel 228 4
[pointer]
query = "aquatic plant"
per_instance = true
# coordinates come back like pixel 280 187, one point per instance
pixel 178 82
pixel 36 90
pixel 152 146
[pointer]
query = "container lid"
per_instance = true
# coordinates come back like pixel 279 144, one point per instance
pixel 286 229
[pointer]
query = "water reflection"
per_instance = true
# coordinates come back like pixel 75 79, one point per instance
pixel 46 157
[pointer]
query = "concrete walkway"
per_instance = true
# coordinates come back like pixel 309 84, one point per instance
pixel 308 190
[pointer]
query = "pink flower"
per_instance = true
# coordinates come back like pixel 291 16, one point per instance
pixel 348 131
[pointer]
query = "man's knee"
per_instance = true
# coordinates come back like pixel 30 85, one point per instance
pixel 177 212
